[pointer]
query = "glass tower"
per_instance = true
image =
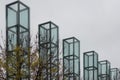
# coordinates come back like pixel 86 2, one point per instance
pixel 17 41
pixel 71 59
pixel 114 73
pixel 48 51
pixel 104 70
pixel 90 65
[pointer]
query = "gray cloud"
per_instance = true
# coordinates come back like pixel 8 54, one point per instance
pixel 96 23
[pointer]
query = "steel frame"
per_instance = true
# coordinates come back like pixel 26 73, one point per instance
pixel 71 54
pixel 114 73
pixel 90 65
pixel 16 29
pixel 104 70
pixel 49 47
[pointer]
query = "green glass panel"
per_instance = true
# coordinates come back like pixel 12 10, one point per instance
pixel 108 69
pixel 43 35
pixel 24 18
pixel 95 74
pixel 12 17
pixel 70 41
pixel 54 35
pixel 22 7
pixel 90 60
pixel 86 75
pixel 46 25
pixel 12 38
pixel 76 66
pixel 100 70
pixel 86 61
pixel 71 66
pixel 104 69
pixel 66 66
pixel 91 75
pixel 43 54
pixel 76 48
pixel 95 60
pixel 71 49
pixel 66 49
pixel 14 7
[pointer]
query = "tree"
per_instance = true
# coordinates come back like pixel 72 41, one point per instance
pixel 15 68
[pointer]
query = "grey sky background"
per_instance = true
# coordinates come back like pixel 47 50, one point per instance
pixel 96 23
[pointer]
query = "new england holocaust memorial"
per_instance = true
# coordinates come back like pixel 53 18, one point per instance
pixel 90 65
pixel 104 70
pixel 49 50
pixel 114 74
pixel 18 59
pixel 17 41
pixel 71 59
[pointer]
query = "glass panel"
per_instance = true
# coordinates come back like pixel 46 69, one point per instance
pixel 76 66
pixel 100 69
pixel 71 49
pixel 95 60
pixel 70 40
pixel 43 35
pixel 90 60
pixel 66 49
pixel 76 48
pixel 54 38
pixel 95 75
pixel 86 75
pixel 54 52
pixel 14 7
pixel 12 38
pixel 24 18
pixel 71 66
pixel 46 25
pixel 89 57
pixel 108 68
pixel 91 75
pixel 24 40
pixel 12 17
pixel 86 61
pixel 43 54
pixel 104 69
pixel 22 7
pixel 66 66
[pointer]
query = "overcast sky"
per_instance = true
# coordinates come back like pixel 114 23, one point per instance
pixel 96 23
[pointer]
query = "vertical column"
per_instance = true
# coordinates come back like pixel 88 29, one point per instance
pixel 90 65
pixel 114 73
pixel 48 51
pixel 104 70
pixel 17 41
pixel 71 59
